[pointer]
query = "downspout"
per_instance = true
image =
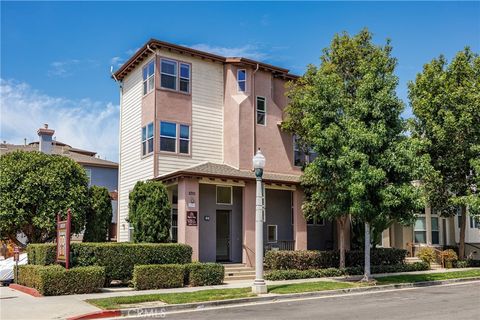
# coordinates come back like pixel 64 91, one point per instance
pixel 155 125
pixel 254 111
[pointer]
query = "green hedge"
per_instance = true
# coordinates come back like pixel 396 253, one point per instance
pixel 204 274
pixel 310 259
pixel 156 276
pixel 334 272
pixel 55 280
pixel 117 258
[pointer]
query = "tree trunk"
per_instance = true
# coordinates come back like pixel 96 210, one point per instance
pixel 341 246
pixel 366 275
pixel 463 225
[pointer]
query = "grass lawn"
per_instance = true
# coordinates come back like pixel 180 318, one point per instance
pixel 310 286
pixel 172 298
pixel 428 277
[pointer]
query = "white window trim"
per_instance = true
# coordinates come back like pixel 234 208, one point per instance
pixel 168 137
pixel 189 139
pixel 276 233
pixel 149 76
pixel 180 76
pixel 438 229
pixel 264 112
pixel 146 140
pixel 168 74
pixel 231 195
pixel 88 171
pixel 422 230
pixel 238 81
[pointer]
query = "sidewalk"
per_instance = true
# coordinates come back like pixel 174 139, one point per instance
pixel 17 305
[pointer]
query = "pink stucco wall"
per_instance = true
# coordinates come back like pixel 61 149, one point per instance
pixel 248 256
pixel 299 222
pixel 188 192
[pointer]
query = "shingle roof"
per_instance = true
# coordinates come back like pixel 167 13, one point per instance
pixel 210 169
pixel 83 157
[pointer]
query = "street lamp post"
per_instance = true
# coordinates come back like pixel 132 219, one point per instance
pixel 259 286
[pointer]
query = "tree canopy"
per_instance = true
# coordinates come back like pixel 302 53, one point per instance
pixel 34 188
pixel 150 212
pixel 99 215
pixel 445 99
pixel 347 110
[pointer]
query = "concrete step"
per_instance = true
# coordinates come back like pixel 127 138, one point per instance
pixel 412 260
pixel 246 277
pixel 240 273
pixel 238 269
pixel 233 265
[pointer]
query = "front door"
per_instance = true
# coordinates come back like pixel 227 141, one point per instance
pixel 223 235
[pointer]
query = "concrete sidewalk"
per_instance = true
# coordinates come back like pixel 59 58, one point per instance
pixel 18 305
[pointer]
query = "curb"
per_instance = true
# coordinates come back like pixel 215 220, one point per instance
pixel 31 291
pixel 97 315
pixel 162 310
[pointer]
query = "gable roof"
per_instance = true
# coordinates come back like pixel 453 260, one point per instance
pixel 153 44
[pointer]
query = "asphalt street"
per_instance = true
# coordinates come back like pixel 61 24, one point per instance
pixel 459 301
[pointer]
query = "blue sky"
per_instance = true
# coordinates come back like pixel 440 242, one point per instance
pixel 56 56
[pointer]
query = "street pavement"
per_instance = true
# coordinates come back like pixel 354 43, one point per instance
pixel 454 301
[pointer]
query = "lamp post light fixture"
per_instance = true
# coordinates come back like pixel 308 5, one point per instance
pixel 259 285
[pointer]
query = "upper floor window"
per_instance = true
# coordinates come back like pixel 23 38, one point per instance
pixel 302 155
pixel 149 77
pixel 168 136
pixel 184 141
pixel 88 171
pixel 185 77
pixel 168 74
pixel 261 111
pixel 147 139
pixel 242 80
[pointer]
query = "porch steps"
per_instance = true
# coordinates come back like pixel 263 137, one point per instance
pixel 238 271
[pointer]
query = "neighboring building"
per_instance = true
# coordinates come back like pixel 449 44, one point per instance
pixel 194 121
pixel 100 172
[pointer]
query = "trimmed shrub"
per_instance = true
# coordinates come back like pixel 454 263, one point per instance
pixel 461 264
pixel 334 272
pixel 427 254
pixel 449 255
pixel 55 280
pixel 204 274
pixel 309 259
pixel 117 258
pixel 157 276
pixel 42 253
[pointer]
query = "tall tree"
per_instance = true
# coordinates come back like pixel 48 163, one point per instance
pixel 99 215
pixel 348 111
pixel 34 188
pixel 445 99
pixel 150 212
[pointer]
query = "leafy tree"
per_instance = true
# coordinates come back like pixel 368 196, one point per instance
pixel 348 111
pixel 34 188
pixel 99 215
pixel 446 102
pixel 149 212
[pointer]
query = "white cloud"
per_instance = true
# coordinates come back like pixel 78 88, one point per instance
pixel 84 123
pixel 116 62
pixel 247 51
pixel 62 68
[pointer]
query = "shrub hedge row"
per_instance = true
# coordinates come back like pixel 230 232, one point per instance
pixel 55 280
pixel 334 272
pixel 117 258
pixel 309 259
pixel 157 276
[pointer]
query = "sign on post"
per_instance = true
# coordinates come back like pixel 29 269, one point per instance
pixel 16 254
pixel 192 218
pixel 63 239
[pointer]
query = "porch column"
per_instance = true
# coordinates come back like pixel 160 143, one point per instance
pixel 188 203
pixel 428 224
pixel 248 221
pixel 386 243
pixel 299 222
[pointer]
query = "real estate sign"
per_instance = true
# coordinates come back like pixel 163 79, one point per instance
pixel 63 239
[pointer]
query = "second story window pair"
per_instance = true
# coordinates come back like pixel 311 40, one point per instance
pixel 302 155
pixel 174 137
pixel 171 79
pixel 147 139
pixel 149 77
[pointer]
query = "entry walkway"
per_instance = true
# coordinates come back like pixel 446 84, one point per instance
pixel 18 305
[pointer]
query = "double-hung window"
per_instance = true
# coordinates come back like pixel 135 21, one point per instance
pixel 184 140
pixel 168 74
pixel 168 136
pixel 149 77
pixel 147 139
pixel 272 234
pixel 435 231
pixel 261 111
pixel 184 77
pixel 420 230
pixel 242 80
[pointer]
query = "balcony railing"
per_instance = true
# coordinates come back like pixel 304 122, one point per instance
pixel 287 245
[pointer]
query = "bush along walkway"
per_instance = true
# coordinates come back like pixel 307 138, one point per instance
pixel 166 302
